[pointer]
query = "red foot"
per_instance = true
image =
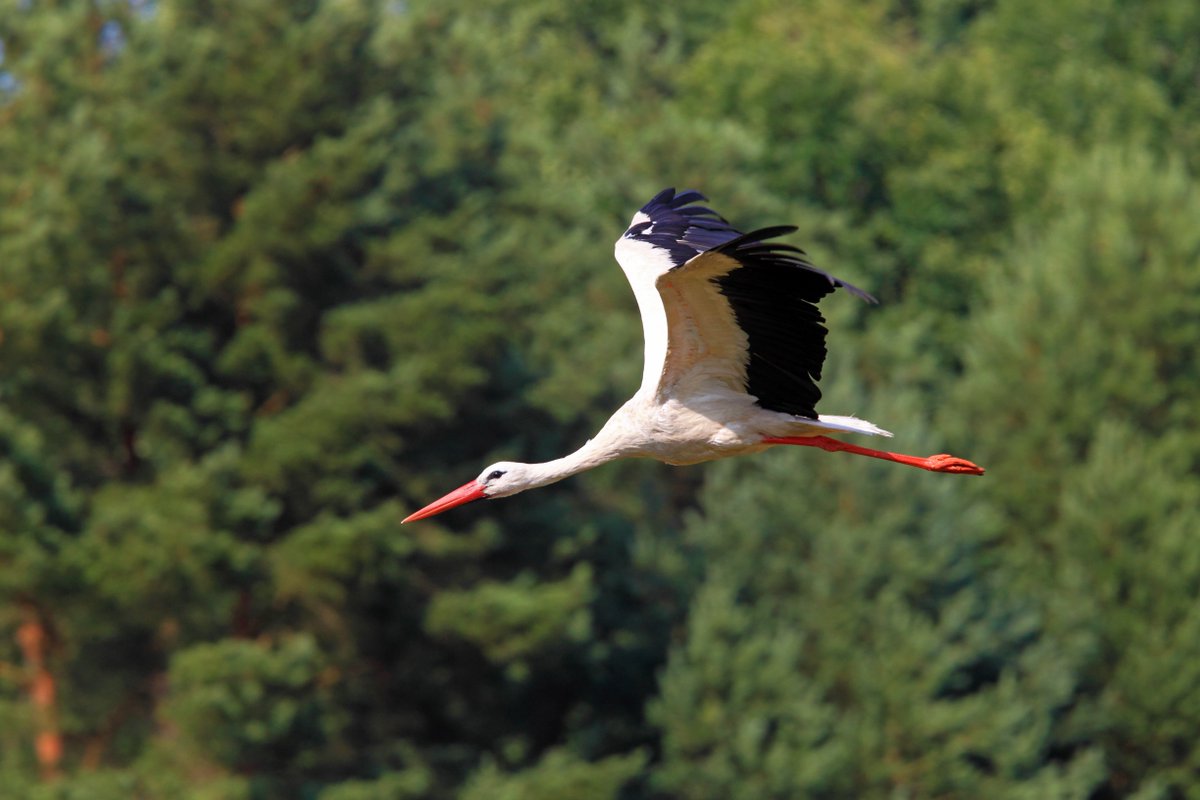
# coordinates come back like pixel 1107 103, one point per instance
pixel 948 463
pixel 938 463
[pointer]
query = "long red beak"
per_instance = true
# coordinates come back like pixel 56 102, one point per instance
pixel 463 494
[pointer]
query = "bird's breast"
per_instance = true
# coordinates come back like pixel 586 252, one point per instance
pixel 689 431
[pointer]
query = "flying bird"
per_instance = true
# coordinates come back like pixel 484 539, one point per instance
pixel 734 349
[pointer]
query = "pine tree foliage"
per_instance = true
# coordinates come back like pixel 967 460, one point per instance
pixel 1100 303
pixel 879 655
pixel 274 274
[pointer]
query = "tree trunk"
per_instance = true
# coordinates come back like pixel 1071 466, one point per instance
pixel 34 642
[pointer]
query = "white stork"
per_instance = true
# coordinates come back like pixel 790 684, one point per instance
pixel 734 347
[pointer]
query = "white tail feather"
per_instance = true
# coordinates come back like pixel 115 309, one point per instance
pixel 852 425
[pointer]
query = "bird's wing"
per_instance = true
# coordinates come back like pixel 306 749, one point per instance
pixel 723 309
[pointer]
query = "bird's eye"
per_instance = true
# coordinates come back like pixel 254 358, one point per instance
pixel 496 473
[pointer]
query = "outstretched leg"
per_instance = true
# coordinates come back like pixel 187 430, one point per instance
pixel 939 463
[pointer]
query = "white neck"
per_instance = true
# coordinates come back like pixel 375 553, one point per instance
pixel 593 453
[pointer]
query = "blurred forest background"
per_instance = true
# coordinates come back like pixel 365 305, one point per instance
pixel 275 274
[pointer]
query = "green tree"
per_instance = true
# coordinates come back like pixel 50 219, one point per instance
pixel 265 283
pixel 1093 316
pixel 1013 637
pixel 273 275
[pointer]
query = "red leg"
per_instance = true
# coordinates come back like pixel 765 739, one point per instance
pixel 939 463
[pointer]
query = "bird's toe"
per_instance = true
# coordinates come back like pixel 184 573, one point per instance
pixel 945 462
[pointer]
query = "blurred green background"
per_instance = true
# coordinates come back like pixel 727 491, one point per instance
pixel 275 274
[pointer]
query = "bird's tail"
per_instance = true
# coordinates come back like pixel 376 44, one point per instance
pixel 851 425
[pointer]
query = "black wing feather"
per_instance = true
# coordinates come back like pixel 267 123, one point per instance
pixel 773 294
pixel 681 229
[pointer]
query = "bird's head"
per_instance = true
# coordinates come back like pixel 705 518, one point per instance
pixel 498 480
